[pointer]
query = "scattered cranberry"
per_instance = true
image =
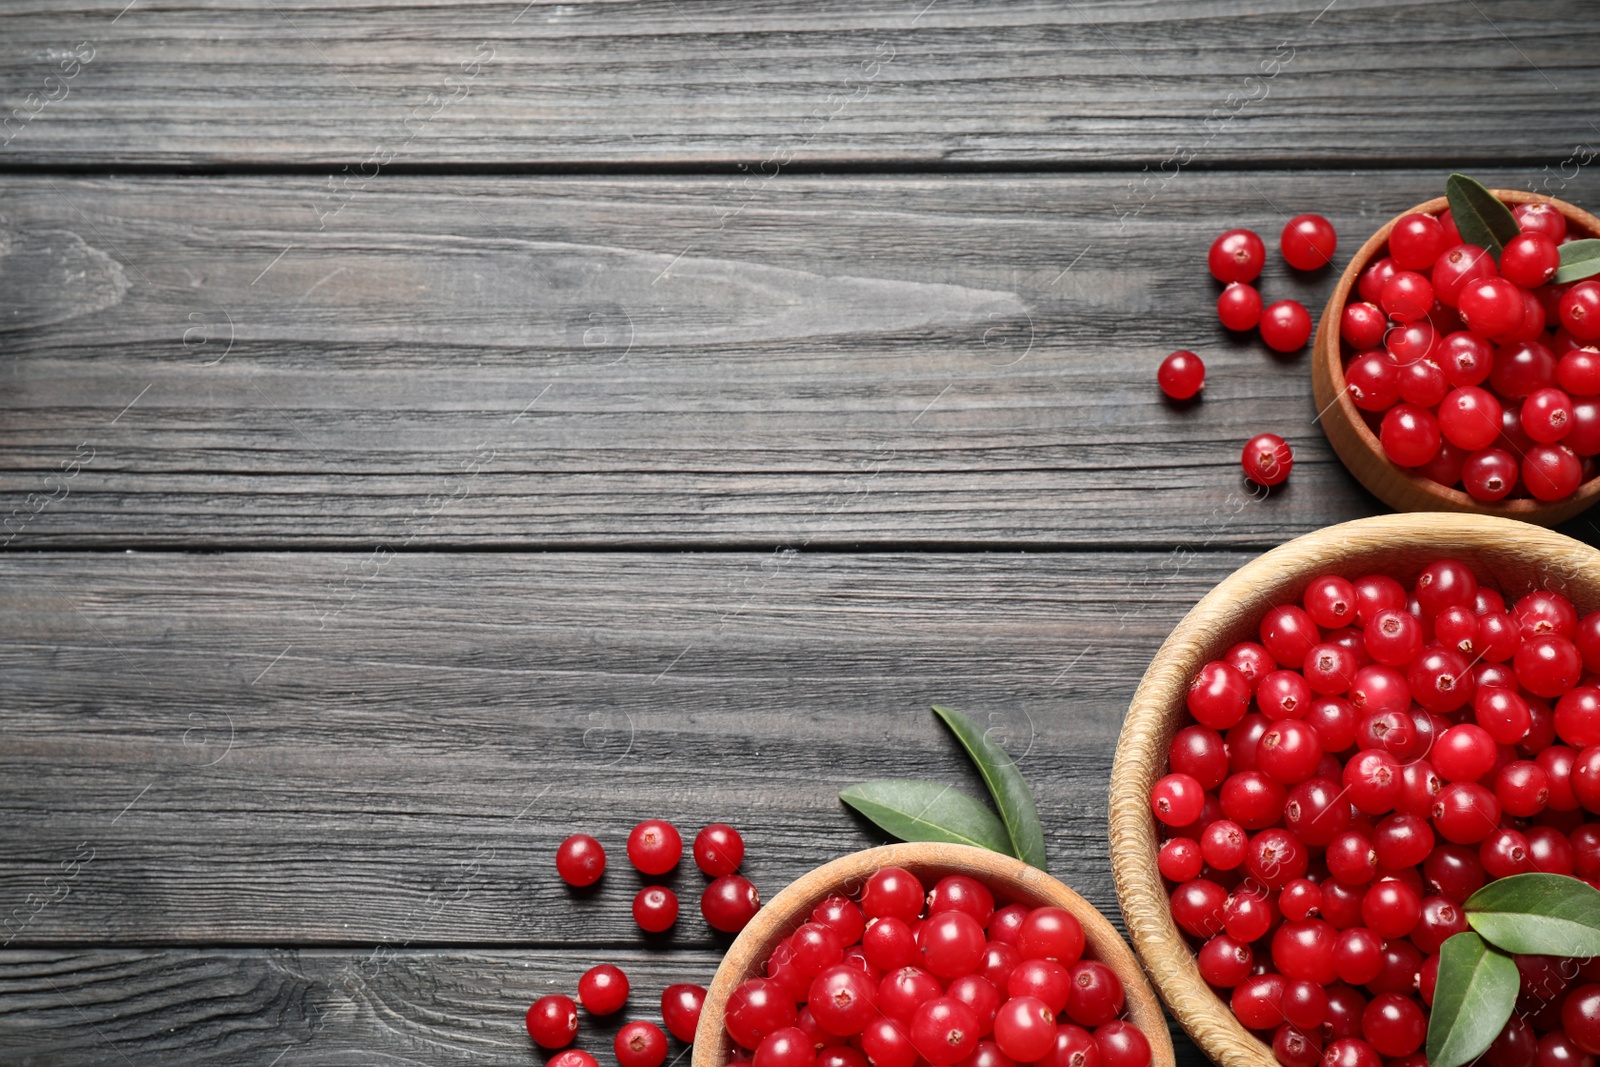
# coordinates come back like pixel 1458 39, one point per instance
pixel 718 849
pixel 655 908
pixel 1237 256
pixel 641 1044
pixel 603 989
pixel 1285 326
pixel 680 1009
pixel 1267 459
pixel 553 1021
pixel 572 1057
pixel 1239 306
pixel 1181 375
pixel 729 903
pixel 1308 242
pixel 580 861
pixel 654 846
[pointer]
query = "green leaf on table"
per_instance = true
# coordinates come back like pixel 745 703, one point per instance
pixel 913 810
pixel 1474 996
pixel 1006 785
pixel 1579 259
pixel 1541 914
pixel 1481 219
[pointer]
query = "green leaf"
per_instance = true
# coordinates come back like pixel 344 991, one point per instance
pixel 1475 995
pixel 1542 914
pixel 1579 259
pixel 1481 219
pixel 1006 785
pixel 913 810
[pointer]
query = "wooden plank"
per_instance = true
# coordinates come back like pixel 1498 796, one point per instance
pixel 307 1006
pixel 577 362
pixel 319 748
pixel 540 83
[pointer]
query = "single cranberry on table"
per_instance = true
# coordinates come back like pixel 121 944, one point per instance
pixel 1267 459
pixel 655 908
pixel 1239 306
pixel 718 849
pixel 642 1044
pixel 580 861
pixel 680 1009
pixel 1285 326
pixel 1237 256
pixel 729 903
pixel 655 847
pixel 603 989
pixel 1181 375
pixel 553 1021
pixel 1308 242
pixel 572 1057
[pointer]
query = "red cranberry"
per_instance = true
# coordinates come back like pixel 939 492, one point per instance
pixel 1308 242
pixel 1181 375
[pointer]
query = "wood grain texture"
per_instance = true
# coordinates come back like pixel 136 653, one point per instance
pixel 382 1004
pixel 1512 556
pixel 1361 450
pixel 575 362
pixel 516 83
pixel 1011 880
pixel 409 745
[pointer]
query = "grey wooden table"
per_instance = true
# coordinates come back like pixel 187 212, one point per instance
pixel 429 430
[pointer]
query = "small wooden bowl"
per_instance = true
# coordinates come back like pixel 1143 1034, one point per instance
pixel 1514 556
pixel 1011 881
pixel 1359 447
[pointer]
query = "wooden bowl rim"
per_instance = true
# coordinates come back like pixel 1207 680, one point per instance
pixel 1327 359
pixel 1010 878
pixel 1141 755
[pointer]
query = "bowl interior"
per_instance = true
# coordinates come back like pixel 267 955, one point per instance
pixel 1359 446
pixel 1011 881
pixel 1514 557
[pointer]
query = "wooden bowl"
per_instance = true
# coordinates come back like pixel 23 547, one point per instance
pixel 1514 556
pixel 1011 881
pixel 1359 447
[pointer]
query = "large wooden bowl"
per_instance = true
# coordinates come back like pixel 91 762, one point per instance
pixel 1011 881
pixel 1354 440
pixel 1513 556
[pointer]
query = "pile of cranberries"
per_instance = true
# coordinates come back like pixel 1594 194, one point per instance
pixel 728 904
pixel 1476 374
pixel 1236 259
pixel 1350 779
pixel 899 979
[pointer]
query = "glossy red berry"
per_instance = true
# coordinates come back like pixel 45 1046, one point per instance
pixel 1051 934
pixel 1394 1025
pixel 1492 306
pixel 718 849
pixel 1181 375
pixel 1580 1017
pixel 1267 459
pixel 843 1000
pixel 1177 799
pixel 1410 435
pixel 1122 1044
pixel 1237 256
pixel 553 1021
pixel 1465 358
pixel 1373 381
pixel 1362 325
pixel 654 846
pixel 580 861
pixel 1490 474
pixel 729 903
pixel 953 941
pixel 1470 417
pixel 1552 472
pixel 1540 216
pixel 1239 306
pixel 603 989
pixel 572 1057
pixel 1416 241
pixel 680 1009
pixel 1219 695
pixel 1406 297
pixel 1285 326
pixel 946 1031
pixel 892 892
pixel 1580 310
pixel 1529 260
pixel 1308 242
pixel 655 908
pixel 1465 812
pixel 642 1044
pixel 1463 753
pixel 1547 415
pixel 756 1008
